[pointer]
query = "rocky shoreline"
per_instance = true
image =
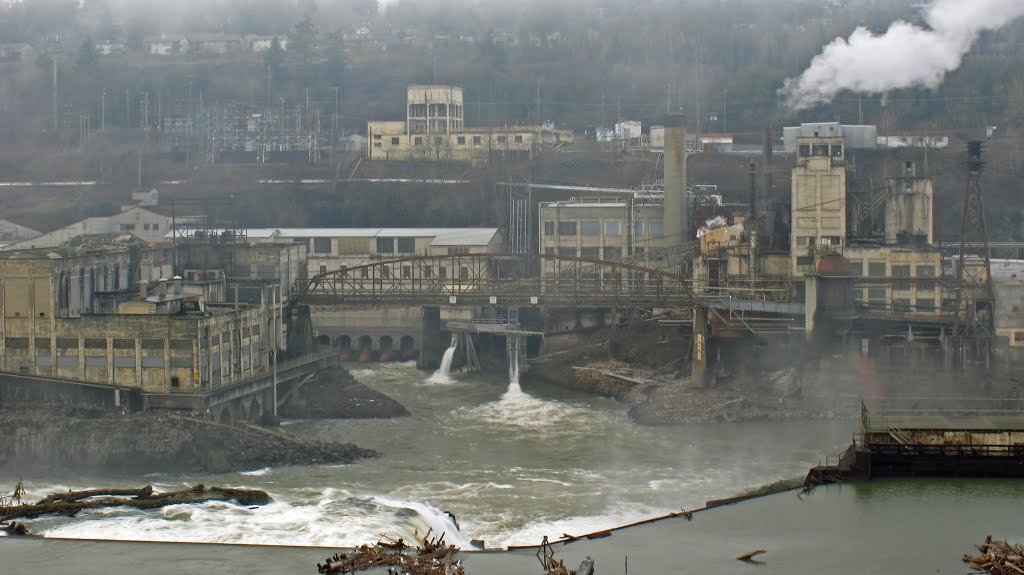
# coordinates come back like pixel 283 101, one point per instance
pixel 54 437
pixel 650 372
pixel 43 438
pixel 336 394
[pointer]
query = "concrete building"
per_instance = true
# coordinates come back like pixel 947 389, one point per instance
pixel 11 233
pixel 143 223
pixel 908 208
pixel 434 129
pixel 818 201
pixel 602 228
pixel 85 315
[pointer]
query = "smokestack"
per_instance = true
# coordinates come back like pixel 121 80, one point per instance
pixel 143 289
pixel 177 285
pixel 161 289
pixel 677 206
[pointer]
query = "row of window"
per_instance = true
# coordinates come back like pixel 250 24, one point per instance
pixel 611 227
pixel 406 272
pixel 384 245
pixel 460 140
pixel 610 253
pixel 43 343
pixel 131 227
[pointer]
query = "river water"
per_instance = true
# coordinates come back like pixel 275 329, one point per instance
pixel 511 464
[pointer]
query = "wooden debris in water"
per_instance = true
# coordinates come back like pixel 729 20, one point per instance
pixel 997 557
pixel 552 566
pixel 751 555
pixel 431 556
pixel 72 502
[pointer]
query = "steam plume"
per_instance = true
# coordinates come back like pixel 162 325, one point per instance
pixel 906 55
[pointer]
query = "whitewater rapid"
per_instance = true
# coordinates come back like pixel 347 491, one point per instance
pixel 511 462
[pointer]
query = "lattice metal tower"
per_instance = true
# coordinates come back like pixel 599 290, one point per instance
pixel 974 298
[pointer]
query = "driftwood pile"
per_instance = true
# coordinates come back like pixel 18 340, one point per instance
pixel 431 557
pixel 997 557
pixel 71 502
pixel 552 566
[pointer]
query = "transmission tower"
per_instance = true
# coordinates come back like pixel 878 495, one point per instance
pixel 974 298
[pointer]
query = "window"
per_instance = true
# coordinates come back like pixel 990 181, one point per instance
pixel 123 344
pixel 378 145
pixel 406 245
pixel 549 251
pixel 804 260
pixel 364 272
pixel 567 228
pixel 418 140
pixel 821 150
pixel 377 136
pixel 656 227
pixel 459 251
pixel 549 228
pixel 406 272
pixel 593 253
pixel 925 304
pixel 502 139
pixel 145 226
pixel 323 269
pixel 901 271
pixel 902 304
pixel 175 382
pixel 519 139
pixel 476 140
pixel 837 150
pixel 95 343
pixel 613 253
pixel 127 227
pixel 638 228
pixel 385 245
pixel 461 140
pixel 876 297
pixel 428 271
pixel 590 228
pixel 385 271
pixel 153 343
pixel 612 228
pixel 1018 337
pixel 567 252
pixel 321 245
pixel 156 227
pixel 925 272
pixel 438 140
pixel 16 343
pixel 876 269
pixel 803 241
pixel 805 150
pixel 442 272
pixel 343 271
pixel 43 343
pixel 395 141
pixel 67 343
pixel 464 272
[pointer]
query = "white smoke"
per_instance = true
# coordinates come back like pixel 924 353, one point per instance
pixel 906 55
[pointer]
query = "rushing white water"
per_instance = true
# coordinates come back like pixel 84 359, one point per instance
pixel 443 373
pixel 511 466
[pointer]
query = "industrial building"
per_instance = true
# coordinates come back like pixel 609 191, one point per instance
pixel 142 222
pixel 160 326
pixel 434 129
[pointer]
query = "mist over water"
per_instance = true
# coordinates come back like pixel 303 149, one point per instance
pixel 511 463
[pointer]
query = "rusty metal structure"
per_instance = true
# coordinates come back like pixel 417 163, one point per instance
pixel 498 279
pixel 973 314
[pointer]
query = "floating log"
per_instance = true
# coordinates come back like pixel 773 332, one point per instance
pixel 72 502
pixel 751 555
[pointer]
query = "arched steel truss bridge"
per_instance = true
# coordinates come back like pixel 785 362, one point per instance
pixel 502 279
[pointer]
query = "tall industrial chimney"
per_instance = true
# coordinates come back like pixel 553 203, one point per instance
pixel 677 205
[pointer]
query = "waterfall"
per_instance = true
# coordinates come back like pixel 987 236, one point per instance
pixel 514 388
pixel 443 374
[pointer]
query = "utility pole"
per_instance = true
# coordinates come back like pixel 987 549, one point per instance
pixel 725 94
pixel 54 49
pixel 103 111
